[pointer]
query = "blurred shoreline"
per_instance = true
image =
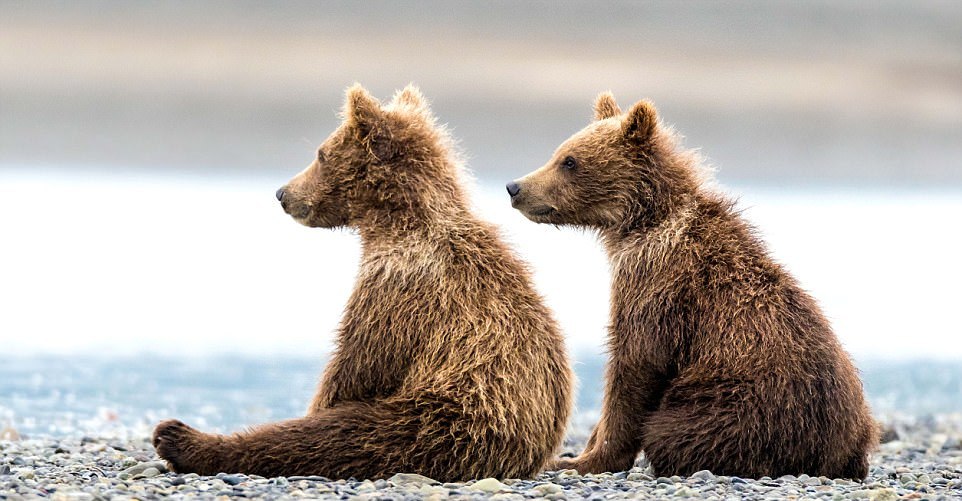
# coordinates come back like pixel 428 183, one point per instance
pixel 133 261
pixel 51 395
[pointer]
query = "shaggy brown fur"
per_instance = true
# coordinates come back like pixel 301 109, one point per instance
pixel 447 363
pixel 719 360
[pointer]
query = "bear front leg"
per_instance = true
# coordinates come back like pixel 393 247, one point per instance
pixel 355 381
pixel 607 450
pixel 338 384
pixel 326 393
pixel 631 393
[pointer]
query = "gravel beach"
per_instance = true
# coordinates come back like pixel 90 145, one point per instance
pixel 921 458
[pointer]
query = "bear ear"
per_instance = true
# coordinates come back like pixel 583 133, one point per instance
pixel 606 107
pixel 362 109
pixel 410 97
pixel 641 121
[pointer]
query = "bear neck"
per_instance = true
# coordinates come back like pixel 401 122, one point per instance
pixel 661 226
pixel 420 219
pixel 693 212
pixel 666 189
pixel 428 195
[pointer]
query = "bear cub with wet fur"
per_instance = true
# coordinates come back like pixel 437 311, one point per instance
pixel 718 359
pixel 447 364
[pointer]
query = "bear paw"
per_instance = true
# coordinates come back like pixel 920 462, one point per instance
pixel 172 439
pixel 584 464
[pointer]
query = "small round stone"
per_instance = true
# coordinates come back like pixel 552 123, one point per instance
pixel 232 479
pixel 488 485
pixel 703 475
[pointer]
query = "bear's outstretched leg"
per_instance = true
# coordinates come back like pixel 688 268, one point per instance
pixel 322 444
pixel 334 443
pixel 188 450
pixel 354 440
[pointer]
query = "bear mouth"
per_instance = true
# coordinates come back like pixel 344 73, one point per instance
pixel 296 211
pixel 541 211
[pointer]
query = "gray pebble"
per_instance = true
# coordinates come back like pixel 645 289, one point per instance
pixel 545 489
pixel 703 475
pixel 232 479
pixel 147 473
pixel 159 466
pixel 412 478
pixel 309 478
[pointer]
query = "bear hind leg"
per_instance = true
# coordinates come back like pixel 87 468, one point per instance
pixel 334 443
pixel 358 440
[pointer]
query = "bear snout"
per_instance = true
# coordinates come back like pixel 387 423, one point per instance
pixel 289 204
pixel 513 188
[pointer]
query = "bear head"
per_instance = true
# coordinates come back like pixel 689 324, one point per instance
pixel 623 169
pixel 385 165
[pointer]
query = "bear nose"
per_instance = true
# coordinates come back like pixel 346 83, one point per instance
pixel 513 188
pixel 280 194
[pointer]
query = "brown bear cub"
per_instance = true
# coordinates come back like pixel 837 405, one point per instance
pixel 718 359
pixel 448 364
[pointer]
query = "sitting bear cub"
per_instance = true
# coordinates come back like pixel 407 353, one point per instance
pixel 718 359
pixel 448 364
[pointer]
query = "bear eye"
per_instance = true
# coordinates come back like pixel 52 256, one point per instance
pixel 320 155
pixel 569 163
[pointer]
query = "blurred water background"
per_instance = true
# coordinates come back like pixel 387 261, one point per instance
pixel 146 269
